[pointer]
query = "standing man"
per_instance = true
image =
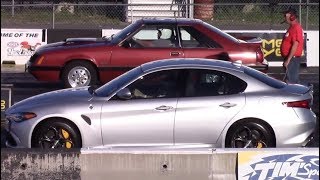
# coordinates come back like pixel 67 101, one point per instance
pixel 292 47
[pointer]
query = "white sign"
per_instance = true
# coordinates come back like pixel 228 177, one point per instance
pixel 19 44
pixel 257 165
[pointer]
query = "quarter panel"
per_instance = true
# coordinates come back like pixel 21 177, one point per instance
pixel 202 119
pixel 291 125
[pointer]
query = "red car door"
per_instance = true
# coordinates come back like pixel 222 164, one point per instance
pixel 132 57
pixel 151 42
pixel 196 44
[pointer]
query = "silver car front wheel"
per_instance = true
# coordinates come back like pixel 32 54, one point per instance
pixel 56 133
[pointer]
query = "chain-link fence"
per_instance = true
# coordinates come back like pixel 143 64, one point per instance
pixel 226 16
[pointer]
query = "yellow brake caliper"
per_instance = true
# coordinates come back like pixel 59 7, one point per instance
pixel 259 145
pixel 66 136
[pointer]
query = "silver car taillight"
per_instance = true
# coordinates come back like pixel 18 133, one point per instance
pixel 298 104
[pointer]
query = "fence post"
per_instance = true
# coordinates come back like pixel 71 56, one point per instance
pixel 307 15
pixel 300 11
pixel 12 9
pixel 272 5
pixel 191 9
pixel 131 13
pixel 53 18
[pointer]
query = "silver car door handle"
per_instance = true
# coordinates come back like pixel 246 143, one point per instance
pixel 227 105
pixel 164 108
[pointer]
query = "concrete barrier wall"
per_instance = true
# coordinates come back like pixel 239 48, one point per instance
pixel 166 164
pixel 40 165
pixel 161 165
pixel 105 164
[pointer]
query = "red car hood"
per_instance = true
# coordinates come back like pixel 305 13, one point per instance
pixel 83 40
pixel 72 42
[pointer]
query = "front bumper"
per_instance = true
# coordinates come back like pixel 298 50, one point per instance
pixel 16 137
pixel 43 73
pixel 7 140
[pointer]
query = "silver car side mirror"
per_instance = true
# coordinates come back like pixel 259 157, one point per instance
pixel 124 94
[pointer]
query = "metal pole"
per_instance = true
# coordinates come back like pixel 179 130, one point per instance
pixel 131 10
pixel 12 9
pixel 131 14
pixel 300 11
pixel 272 15
pixel 53 18
pixel 191 9
pixel 307 16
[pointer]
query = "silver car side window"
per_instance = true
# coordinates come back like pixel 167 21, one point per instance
pixel 160 84
pixel 201 82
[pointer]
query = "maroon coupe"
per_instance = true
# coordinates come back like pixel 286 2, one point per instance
pixel 88 61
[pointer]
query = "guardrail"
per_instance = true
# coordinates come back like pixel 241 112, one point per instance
pixel 164 164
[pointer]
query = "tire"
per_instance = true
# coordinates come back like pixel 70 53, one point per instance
pixel 78 74
pixel 250 134
pixel 56 133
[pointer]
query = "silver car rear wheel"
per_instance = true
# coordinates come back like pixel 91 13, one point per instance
pixel 250 135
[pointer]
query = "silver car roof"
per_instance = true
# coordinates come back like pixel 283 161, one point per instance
pixel 191 63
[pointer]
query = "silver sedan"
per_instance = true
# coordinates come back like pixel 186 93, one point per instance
pixel 177 103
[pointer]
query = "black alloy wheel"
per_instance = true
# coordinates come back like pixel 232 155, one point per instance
pixel 250 135
pixel 56 134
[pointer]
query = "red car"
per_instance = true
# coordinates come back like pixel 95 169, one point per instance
pixel 87 61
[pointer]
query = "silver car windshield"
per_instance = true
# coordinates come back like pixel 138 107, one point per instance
pixel 120 81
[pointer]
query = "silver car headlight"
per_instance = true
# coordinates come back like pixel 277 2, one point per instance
pixel 21 116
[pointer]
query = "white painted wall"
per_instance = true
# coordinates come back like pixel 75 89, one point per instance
pixel 22 58
pixel 313 48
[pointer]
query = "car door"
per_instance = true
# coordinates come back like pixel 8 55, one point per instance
pixel 147 117
pixel 196 44
pixel 212 98
pixel 151 42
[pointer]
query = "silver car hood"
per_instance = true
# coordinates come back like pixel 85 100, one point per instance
pixel 71 95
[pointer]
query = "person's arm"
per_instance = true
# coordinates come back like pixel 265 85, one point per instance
pixel 291 53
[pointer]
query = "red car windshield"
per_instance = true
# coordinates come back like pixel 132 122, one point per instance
pixel 118 37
